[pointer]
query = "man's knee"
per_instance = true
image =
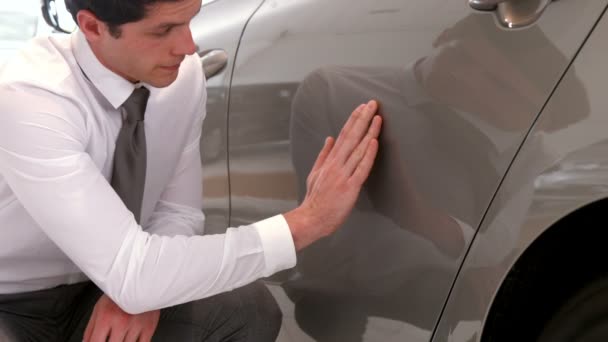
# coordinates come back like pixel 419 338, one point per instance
pixel 249 313
pixel 264 317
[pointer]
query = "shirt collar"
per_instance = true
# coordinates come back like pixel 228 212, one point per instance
pixel 113 87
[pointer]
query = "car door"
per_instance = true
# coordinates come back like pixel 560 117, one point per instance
pixel 216 31
pixel 459 89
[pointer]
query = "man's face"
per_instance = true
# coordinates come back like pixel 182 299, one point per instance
pixel 152 49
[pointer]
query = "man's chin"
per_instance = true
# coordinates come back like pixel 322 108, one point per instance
pixel 162 82
pixel 162 79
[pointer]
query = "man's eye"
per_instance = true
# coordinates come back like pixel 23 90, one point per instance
pixel 163 32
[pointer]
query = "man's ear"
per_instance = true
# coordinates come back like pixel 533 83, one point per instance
pixel 90 25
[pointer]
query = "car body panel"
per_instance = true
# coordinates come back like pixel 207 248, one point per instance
pixel 555 173
pixel 458 95
pixel 211 30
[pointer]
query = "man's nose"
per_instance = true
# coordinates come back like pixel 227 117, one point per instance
pixel 185 45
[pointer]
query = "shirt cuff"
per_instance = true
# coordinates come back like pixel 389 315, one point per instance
pixel 277 242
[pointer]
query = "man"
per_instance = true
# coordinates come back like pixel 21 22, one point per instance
pixel 100 180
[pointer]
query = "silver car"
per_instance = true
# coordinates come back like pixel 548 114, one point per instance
pixel 485 217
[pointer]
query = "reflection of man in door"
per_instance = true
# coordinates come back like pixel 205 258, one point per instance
pixel 453 121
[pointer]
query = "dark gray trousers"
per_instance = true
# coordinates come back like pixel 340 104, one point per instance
pixel 61 314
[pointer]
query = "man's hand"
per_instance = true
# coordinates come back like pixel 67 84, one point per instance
pixel 335 180
pixel 109 323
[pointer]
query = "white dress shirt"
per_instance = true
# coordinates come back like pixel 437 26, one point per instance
pixel 61 222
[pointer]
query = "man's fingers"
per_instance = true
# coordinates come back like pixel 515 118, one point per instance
pixel 355 158
pixel 372 133
pixel 100 332
pixel 90 326
pixel 354 130
pixel 117 334
pixel 350 121
pixel 364 167
pixel 134 336
pixel 146 335
pixel 327 147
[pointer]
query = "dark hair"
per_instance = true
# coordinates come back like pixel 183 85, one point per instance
pixel 113 12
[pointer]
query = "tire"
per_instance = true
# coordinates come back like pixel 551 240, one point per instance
pixel 583 318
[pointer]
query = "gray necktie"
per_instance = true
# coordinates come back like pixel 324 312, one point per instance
pixel 129 173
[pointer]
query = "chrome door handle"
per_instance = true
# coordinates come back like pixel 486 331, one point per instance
pixel 485 5
pixel 214 61
pixel 513 13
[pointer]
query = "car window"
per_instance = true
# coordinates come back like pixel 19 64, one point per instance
pixel 17 26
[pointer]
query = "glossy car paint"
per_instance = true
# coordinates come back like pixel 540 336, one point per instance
pixel 459 94
pixel 212 30
pixel 555 173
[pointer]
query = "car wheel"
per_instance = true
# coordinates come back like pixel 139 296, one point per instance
pixel 583 318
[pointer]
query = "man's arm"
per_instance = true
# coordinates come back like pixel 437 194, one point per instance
pixel 177 213
pixel 43 158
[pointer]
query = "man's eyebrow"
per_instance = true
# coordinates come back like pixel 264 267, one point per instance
pixel 167 25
